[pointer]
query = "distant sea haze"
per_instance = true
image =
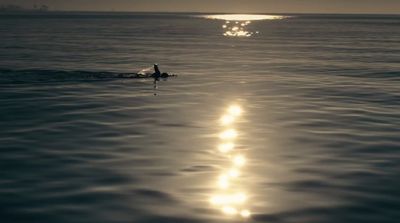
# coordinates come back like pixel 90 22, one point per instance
pixel 17 8
pixel 272 118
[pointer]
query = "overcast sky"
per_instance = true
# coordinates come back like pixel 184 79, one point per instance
pixel 242 6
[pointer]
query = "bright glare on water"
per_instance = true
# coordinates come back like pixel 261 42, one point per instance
pixel 244 17
pixel 229 196
pixel 236 25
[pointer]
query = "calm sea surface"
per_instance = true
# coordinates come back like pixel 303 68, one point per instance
pixel 298 122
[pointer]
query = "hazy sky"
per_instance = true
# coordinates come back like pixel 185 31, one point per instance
pixel 317 6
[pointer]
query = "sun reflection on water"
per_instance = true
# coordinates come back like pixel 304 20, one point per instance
pixel 226 147
pixel 228 134
pixel 236 24
pixel 235 110
pixel 237 29
pixel 244 17
pixel 227 119
pixel 239 160
pixel 229 197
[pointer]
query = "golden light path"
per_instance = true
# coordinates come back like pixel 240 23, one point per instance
pixel 237 29
pixel 244 17
pixel 229 197
pixel 235 24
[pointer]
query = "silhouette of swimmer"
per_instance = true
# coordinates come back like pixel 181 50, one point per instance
pixel 157 74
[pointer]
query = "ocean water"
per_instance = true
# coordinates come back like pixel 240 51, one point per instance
pixel 297 122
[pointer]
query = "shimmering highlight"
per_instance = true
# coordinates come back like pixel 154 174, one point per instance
pixel 244 17
pixel 230 199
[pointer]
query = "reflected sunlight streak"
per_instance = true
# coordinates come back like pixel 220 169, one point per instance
pixel 228 134
pixel 223 182
pixel 235 24
pixel 229 210
pixel 244 17
pixel 234 173
pixel 230 198
pixel 227 119
pixel 226 147
pixel 235 110
pixel 238 198
pixel 236 29
pixel 239 160
pixel 245 213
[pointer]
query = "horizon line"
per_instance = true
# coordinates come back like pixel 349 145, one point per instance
pixel 200 12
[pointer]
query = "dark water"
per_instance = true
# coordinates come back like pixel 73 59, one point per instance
pixel 319 130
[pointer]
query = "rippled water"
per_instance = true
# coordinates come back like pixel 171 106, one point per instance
pixel 318 131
